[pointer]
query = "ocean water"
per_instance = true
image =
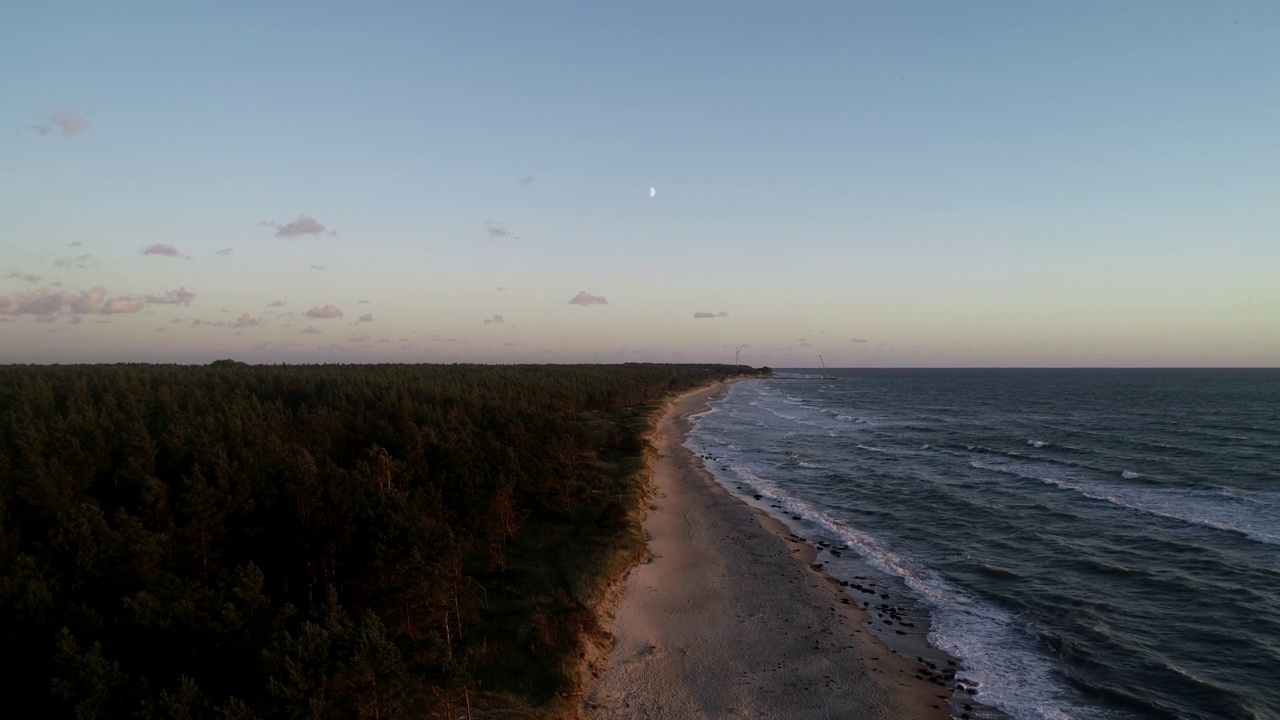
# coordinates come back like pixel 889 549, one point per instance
pixel 1087 543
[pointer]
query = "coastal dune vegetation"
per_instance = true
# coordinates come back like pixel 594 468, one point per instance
pixel 337 541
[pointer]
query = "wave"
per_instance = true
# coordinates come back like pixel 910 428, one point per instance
pixel 999 572
pixel 998 658
pixel 1166 516
pixel 1192 507
pixel 1215 510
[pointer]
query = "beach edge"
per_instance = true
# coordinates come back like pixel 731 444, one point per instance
pixel 619 677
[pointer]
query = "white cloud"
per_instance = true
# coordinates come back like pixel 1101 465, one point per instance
pixel 46 303
pixel 585 298
pixel 708 314
pixel 496 231
pixel 246 320
pixel 120 305
pixel 181 296
pixel 328 312
pixel 225 252
pixel 66 123
pixel 161 249
pixel 24 277
pixel 304 225
pixel 79 262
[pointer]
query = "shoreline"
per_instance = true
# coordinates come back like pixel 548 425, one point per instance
pixel 722 621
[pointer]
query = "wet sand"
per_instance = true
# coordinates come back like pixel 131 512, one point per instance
pixel 728 618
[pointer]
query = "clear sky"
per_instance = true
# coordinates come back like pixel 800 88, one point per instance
pixel 887 184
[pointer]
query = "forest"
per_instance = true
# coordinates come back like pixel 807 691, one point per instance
pixel 330 541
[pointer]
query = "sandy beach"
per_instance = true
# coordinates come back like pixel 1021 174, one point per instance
pixel 728 618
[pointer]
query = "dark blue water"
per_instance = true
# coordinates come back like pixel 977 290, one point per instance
pixel 1089 543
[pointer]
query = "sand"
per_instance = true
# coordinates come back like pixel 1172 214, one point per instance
pixel 728 619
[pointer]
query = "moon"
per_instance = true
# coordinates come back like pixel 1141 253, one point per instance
pixel 652 192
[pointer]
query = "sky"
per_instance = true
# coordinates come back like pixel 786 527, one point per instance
pixel 915 184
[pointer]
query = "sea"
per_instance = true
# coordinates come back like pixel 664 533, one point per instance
pixel 1085 543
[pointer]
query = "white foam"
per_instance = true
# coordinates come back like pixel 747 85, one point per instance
pixel 998 659
pixel 998 656
pixel 1130 475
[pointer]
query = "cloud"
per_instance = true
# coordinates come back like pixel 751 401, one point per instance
pixel 304 225
pixel 181 296
pixel 43 302
pixel 27 277
pixel 317 267
pixel 502 288
pixel 328 312
pixel 225 252
pixel 358 339
pixel 210 323
pixel 585 298
pixel 310 330
pixel 708 314
pixel 362 302
pixel 496 231
pixel 857 340
pixel 175 320
pixel 120 305
pixel 276 303
pixel 803 342
pixel 79 262
pixel 495 320
pixel 161 249
pixel 66 123
pixel 246 320
pixel 77 243
pixel 367 317
pixel 527 180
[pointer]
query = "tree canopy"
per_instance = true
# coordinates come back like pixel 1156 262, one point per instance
pixel 234 541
